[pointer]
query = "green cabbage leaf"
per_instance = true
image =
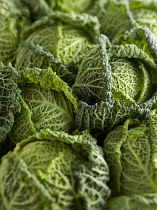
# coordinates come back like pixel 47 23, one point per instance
pixel 63 171
pixel 141 37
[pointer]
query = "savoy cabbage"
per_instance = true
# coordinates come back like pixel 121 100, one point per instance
pixel 54 170
pixel 131 151
pixel 61 36
pixel 114 82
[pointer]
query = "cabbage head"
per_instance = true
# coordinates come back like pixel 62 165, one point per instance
pixel 123 71
pixel 54 170
pixel 131 151
pixel 63 41
pixel 113 83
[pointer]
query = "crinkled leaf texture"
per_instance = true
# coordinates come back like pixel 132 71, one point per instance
pixel 70 5
pixel 130 150
pixel 9 99
pixel 105 116
pixel 54 170
pixel 136 202
pixel 47 102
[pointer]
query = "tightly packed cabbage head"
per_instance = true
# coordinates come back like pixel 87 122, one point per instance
pixel 131 151
pixel 113 83
pixel 54 170
pixel 59 42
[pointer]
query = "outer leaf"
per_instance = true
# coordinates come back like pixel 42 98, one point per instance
pixel 9 99
pixel 48 60
pixel 38 8
pixel 104 116
pixel 84 21
pixel 67 172
pixel 34 194
pixel 88 6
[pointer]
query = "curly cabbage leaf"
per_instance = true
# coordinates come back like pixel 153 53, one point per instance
pixel 9 99
pixel 84 21
pixel 55 170
pixel 47 102
pixel 130 151
pixel 138 202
